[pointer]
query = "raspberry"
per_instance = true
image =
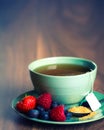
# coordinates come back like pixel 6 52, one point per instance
pixel 57 113
pixel 45 100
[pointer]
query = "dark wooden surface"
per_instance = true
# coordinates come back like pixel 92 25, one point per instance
pixel 33 29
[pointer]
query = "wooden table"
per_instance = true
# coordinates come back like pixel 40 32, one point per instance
pixel 35 29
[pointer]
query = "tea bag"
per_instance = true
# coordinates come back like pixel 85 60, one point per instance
pixel 93 101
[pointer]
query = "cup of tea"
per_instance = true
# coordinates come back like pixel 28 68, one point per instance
pixel 68 79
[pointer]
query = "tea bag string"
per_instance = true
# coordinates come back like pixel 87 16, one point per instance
pixel 91 91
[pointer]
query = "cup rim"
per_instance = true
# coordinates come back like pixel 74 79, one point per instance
pixel 31 68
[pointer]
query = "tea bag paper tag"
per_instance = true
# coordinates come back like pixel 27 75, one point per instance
pixel 93 101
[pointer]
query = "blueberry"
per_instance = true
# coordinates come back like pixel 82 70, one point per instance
pixel 40 108
pixel 54 104
pixel 44 115
pixel 68 115
pixel 65 111
pixel 33 113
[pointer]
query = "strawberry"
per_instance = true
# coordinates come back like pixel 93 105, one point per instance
pixel 57 113
pixel 45 100
pixel 27 103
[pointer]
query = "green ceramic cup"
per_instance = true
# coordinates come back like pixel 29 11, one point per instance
pixel 64 89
